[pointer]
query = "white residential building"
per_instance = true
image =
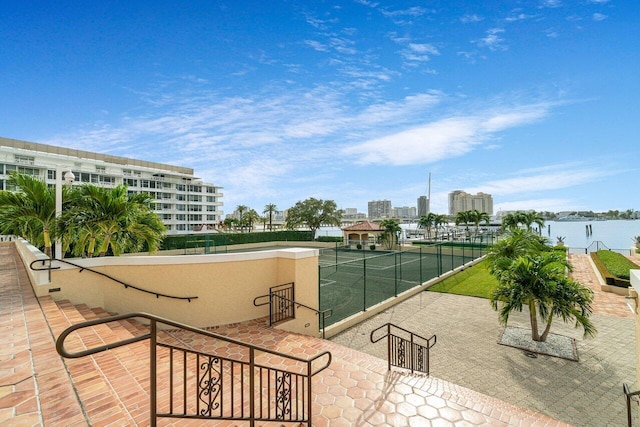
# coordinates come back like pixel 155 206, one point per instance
pixel 183 202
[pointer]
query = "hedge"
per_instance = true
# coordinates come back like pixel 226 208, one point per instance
pixel 189 241
pixel 613 267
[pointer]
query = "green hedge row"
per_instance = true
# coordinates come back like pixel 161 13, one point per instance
pixel 330 239
pixel 190 241
pixel 613 267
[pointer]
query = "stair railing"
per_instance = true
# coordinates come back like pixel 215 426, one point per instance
pixel 405 353
pixel 126 285
pixel 629 395
pixel 261 385
pixel 282 306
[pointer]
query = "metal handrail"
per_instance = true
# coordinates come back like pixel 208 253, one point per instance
pixel 629 395
pixel 389 325
pixel 126 285
pixel 322 315
pixel 152 336
pixel 417 356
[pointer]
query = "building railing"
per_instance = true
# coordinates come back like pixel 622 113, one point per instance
pixel 282 305
pixel 49 267
pixel 405 353
pixel 598 246
pixel 261 385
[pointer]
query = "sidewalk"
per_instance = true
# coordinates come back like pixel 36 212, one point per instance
pixel 584 393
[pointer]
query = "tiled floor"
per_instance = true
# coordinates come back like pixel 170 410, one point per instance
pixel 112 388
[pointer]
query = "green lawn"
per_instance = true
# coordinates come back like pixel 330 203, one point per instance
pixel 474 281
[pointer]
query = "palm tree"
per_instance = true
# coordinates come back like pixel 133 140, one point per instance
pixel 241 209
pixel 519 243
pixel 464 217
pixel 250 218
pixel 391 231
pixel 477 217
pixel 438 220
pixel 109 218
pixel 539 282
pixel 270 209
pixel 426 222
pixel 510 221
pixel 530 218
pixel 31 211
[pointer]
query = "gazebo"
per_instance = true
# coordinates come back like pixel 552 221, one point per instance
pixel 363 233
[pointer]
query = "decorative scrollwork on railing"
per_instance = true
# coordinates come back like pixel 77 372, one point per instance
pixel 402 352
pixel 420 356
pixel 209 385
pixel 283 394
pixel 284 307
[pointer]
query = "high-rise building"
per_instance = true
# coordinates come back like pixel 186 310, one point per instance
pixel 183 202
pixel 404 212
pixel 379 209
pixel 460 201
pixel 423 206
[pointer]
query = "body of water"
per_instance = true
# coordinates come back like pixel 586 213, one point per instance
pixel 615 234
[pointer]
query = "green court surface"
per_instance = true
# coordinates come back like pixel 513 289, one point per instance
pixel 354 280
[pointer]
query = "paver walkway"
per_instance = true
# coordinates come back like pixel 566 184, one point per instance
pixel 474 381
pixel 584 393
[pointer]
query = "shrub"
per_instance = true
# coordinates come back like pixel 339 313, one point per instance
pixel 189 241
pixel 372 247
pixel 613 267
pixel 330 239
pixel 358 246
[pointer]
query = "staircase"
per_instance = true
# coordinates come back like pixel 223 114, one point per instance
pixel 111 388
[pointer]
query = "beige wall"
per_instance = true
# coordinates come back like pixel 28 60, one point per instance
pixel 225 285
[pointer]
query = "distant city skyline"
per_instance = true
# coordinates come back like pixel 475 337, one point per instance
pixel 533 101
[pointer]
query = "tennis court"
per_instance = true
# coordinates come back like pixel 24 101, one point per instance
pixel 353 280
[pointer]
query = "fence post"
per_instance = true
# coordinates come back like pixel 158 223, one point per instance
pixel 395 273
pixel 153 381
pixel 421 280
pixel 364 281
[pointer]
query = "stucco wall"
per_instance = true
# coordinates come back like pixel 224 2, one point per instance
pixel 225 285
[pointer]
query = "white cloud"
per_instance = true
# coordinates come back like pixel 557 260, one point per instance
pixel 544 179
pixel 470 18
pixel 492 40
pixel 551 3
pixel 316 45
pixel 599 17
pixel 441 139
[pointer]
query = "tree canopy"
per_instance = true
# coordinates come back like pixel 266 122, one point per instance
pixel 313 213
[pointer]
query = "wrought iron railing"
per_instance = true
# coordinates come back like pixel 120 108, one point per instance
pixel 282 305
pixel 596 246
pixel 406 353
pixel 629 395
pixel 126 285
pixel 260 385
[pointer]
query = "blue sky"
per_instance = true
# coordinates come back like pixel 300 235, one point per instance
pixel 534 102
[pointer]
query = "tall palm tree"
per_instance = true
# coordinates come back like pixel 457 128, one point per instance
pixel 426 222
pixel 439 220
pixel 530 218
pixel 464 217
pixel 250 218
pixel 539 282
pixel 391 231
pixel 270 209
pixel 30 212
pixel 477 217
pixel 241 209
